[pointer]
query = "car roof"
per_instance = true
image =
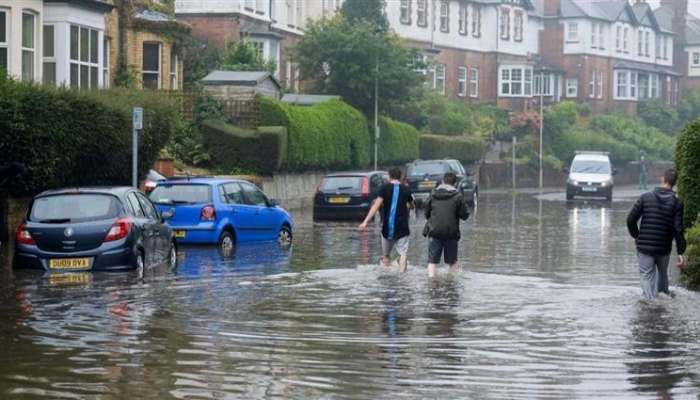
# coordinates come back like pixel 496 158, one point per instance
pixel 200 181
pixel 113 190
pixel 355 173
pixel 592 157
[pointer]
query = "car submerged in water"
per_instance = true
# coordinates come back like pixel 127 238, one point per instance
pixel 93 229
pixel 423 176
pixel 223 212
pixel 591 175
pixel 347 195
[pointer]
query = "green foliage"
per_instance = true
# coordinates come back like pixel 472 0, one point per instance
pixel 200 57
pixel 660 115
pixel 689 108
pixel 688 163
pixel 398 142
pixel 368 11
pixel 633 131
pixel 465 149
pixel 233 148
pixel 243 56
pixel 187 145
pixel 330 135
pixel 690 278
pixel 76 138
pixel 341 58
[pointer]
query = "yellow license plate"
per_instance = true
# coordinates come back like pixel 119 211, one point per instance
pixel 69 279
pixel 339 200
pixel 426 185
pixel 69 263
pixel 180 234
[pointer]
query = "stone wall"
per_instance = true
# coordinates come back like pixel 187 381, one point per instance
pixel 293 191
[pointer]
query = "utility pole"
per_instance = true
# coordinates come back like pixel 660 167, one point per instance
pixel 137 122
pixel 541 127
pixel 376 112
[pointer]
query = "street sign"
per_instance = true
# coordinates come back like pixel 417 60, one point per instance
pixel 138 118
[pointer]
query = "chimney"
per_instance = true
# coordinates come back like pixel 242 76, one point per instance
pixel 552 8
pixel 680 11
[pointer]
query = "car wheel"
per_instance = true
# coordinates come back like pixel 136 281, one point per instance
pixel 227 244
pixel 284 237
pixel 609 196
pixel 569 196
pixel 140 265
pixel 172 256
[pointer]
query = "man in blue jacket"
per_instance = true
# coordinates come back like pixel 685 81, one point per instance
pixel 661 214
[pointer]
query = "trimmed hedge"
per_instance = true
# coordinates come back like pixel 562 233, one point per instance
pixel 233 149
pixel 690 278
pixel 688 163
pixel 330 135
pixel 77 138
pixel 398 142
pixel 465 149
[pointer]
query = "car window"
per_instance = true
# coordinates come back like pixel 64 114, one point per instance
pixel 457 167
pixel 135 206
pixel 181 194
pixel 332 183
pixel 434 168
pixel 75 208
pixel 590 167
pixel 253 195
pixel 233 193
pixel 148 208
pixel 376 182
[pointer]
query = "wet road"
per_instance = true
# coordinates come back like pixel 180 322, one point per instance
pixel 547 306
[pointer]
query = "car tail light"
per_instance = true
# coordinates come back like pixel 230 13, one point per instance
pixel 22 236
pixel 365 186
pixel 208 213
pixel 119 230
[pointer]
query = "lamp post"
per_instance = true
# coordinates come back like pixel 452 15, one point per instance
pixel 376 112
pixel 541 127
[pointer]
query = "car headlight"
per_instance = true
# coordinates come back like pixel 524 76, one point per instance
pixel 606 183
pixel 573 182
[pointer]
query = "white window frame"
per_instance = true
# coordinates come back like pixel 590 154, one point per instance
pixel 504 23
pixel 593 84
pixel 634 85
pixel 463 18
pixel 572 32
pixel 444 16
pixel 474 82
pixel 601 77
pixel 422 13
pixel 89 64
pixel 695 59
pixel 594 35
pixel 174 59
pixel 640 43
pixel 618 39
pixel 6 44
pixel 106 56
pixel 665 48
pixel 49 59
pixel 32 49
pixel 571 87
pixel 518 22
pixel 440 76
pixel 543 84
pixel 462 81
pixel 476 20
pixel 506 78
pixel 299 14
pixel 647 45
pixel 630 84
pixel 625 39
pixel 657 46
pixel 601 36
pixel 654 86
pixel 159 72
pixel 405 14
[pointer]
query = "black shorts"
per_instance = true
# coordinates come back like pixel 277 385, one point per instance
pixel 437 247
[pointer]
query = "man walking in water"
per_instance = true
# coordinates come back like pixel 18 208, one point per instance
pixel 443 212
pixel 661 214
pixel 395 200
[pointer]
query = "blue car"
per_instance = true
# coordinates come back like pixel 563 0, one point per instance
pixel 222 212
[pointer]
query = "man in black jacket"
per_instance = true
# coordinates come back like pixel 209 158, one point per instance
pixel 443 212
pixel 661 213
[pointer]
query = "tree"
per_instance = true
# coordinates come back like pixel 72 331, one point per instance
pixel 370 11
pixel 341 58
pixel 200 58
pixel 244 56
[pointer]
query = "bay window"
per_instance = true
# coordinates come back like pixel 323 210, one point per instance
pixel 463 14
pixel 151 65
pixel 84 62
pixel 643 82
pixel 28 45
pixel 634 85
pixel 173 68
pixel 543 84
pixel 476 20
pixel 595 85
pixel 474 82
pixel 439 83
pixel 422 13
pixel 444 16
pixel 505 23
pixel 600 84
pixel 518 26
pixel 572 32
pixel 571 87
pixel 622 85
pixel 49 55
pixel 515 82
pixel 462 81
pixel 4 39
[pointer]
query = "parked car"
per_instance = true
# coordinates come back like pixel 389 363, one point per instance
pixel 347 195
pixel 591 174
pixel 423 176
pixel 91 229
pixel 224 212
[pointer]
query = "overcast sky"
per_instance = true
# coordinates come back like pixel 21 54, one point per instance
pixel 693 6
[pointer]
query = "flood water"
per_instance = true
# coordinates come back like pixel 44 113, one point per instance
pixel 546 306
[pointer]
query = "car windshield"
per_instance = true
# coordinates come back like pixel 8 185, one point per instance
pixel 75 208
pixel 181 194
pixel 341 183
pixel 590 167
pixel 456 167
pixel 427 169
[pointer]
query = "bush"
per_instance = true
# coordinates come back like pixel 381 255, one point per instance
pixel 660 115
pixel 633 131
pixel 690 278
pixel 330 135
pixel 465 149
pixel 234 149
pixel 398 142
pixel 78 138
pixel 688 163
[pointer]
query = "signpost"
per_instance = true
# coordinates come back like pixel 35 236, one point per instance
pixel 137 122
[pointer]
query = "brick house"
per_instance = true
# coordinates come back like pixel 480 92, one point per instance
pixel 686 27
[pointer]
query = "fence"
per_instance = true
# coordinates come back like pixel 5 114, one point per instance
pixel 240 112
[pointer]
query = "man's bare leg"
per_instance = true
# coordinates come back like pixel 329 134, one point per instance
pixel 386 260
pixel 403 263
pixel 432 269
pixel 454 268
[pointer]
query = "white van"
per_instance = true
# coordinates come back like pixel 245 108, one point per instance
pixel 591 174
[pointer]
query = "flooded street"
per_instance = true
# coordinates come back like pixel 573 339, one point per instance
pixel 547 306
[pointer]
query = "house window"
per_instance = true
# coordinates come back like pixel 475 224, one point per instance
pixel 601 37
pixel 173 68
pixel 463 14
pixel 422 13
pixel 505 23
pixel 444 16
pixel 647 39
pixel 105 63
pixel 592 84
pixel 28 45
pixel 665 47
pixel 406 12
pixel 49 56
pixel 657 46
pixel 640 43
pixel 461 81
pixel 627 85
pixel 594 35
pixel 633 85
pixel 515 81
pixel 643 81
pixel 4 39
pixel 151 65
pixel 571 87
pixel 299 13
pixel 600 84
pixel 675 95
pixel 625 43
pixel 439 83
pixel 572 32
pixel 696 58
pixel 543 84
pixel 476 20
pixel 618 39
pixel 654 86
pixel 84 63
pixel 518 26
pixel 474 82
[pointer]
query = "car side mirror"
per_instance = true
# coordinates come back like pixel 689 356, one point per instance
pixel 273 203
pixel 167 214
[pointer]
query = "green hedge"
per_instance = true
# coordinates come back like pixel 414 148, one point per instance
pixel 688 163
pixel 465 149
pixel 75 138
pixel 398 142
pixel 690 278
pixel 330 135
pixel 235 149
